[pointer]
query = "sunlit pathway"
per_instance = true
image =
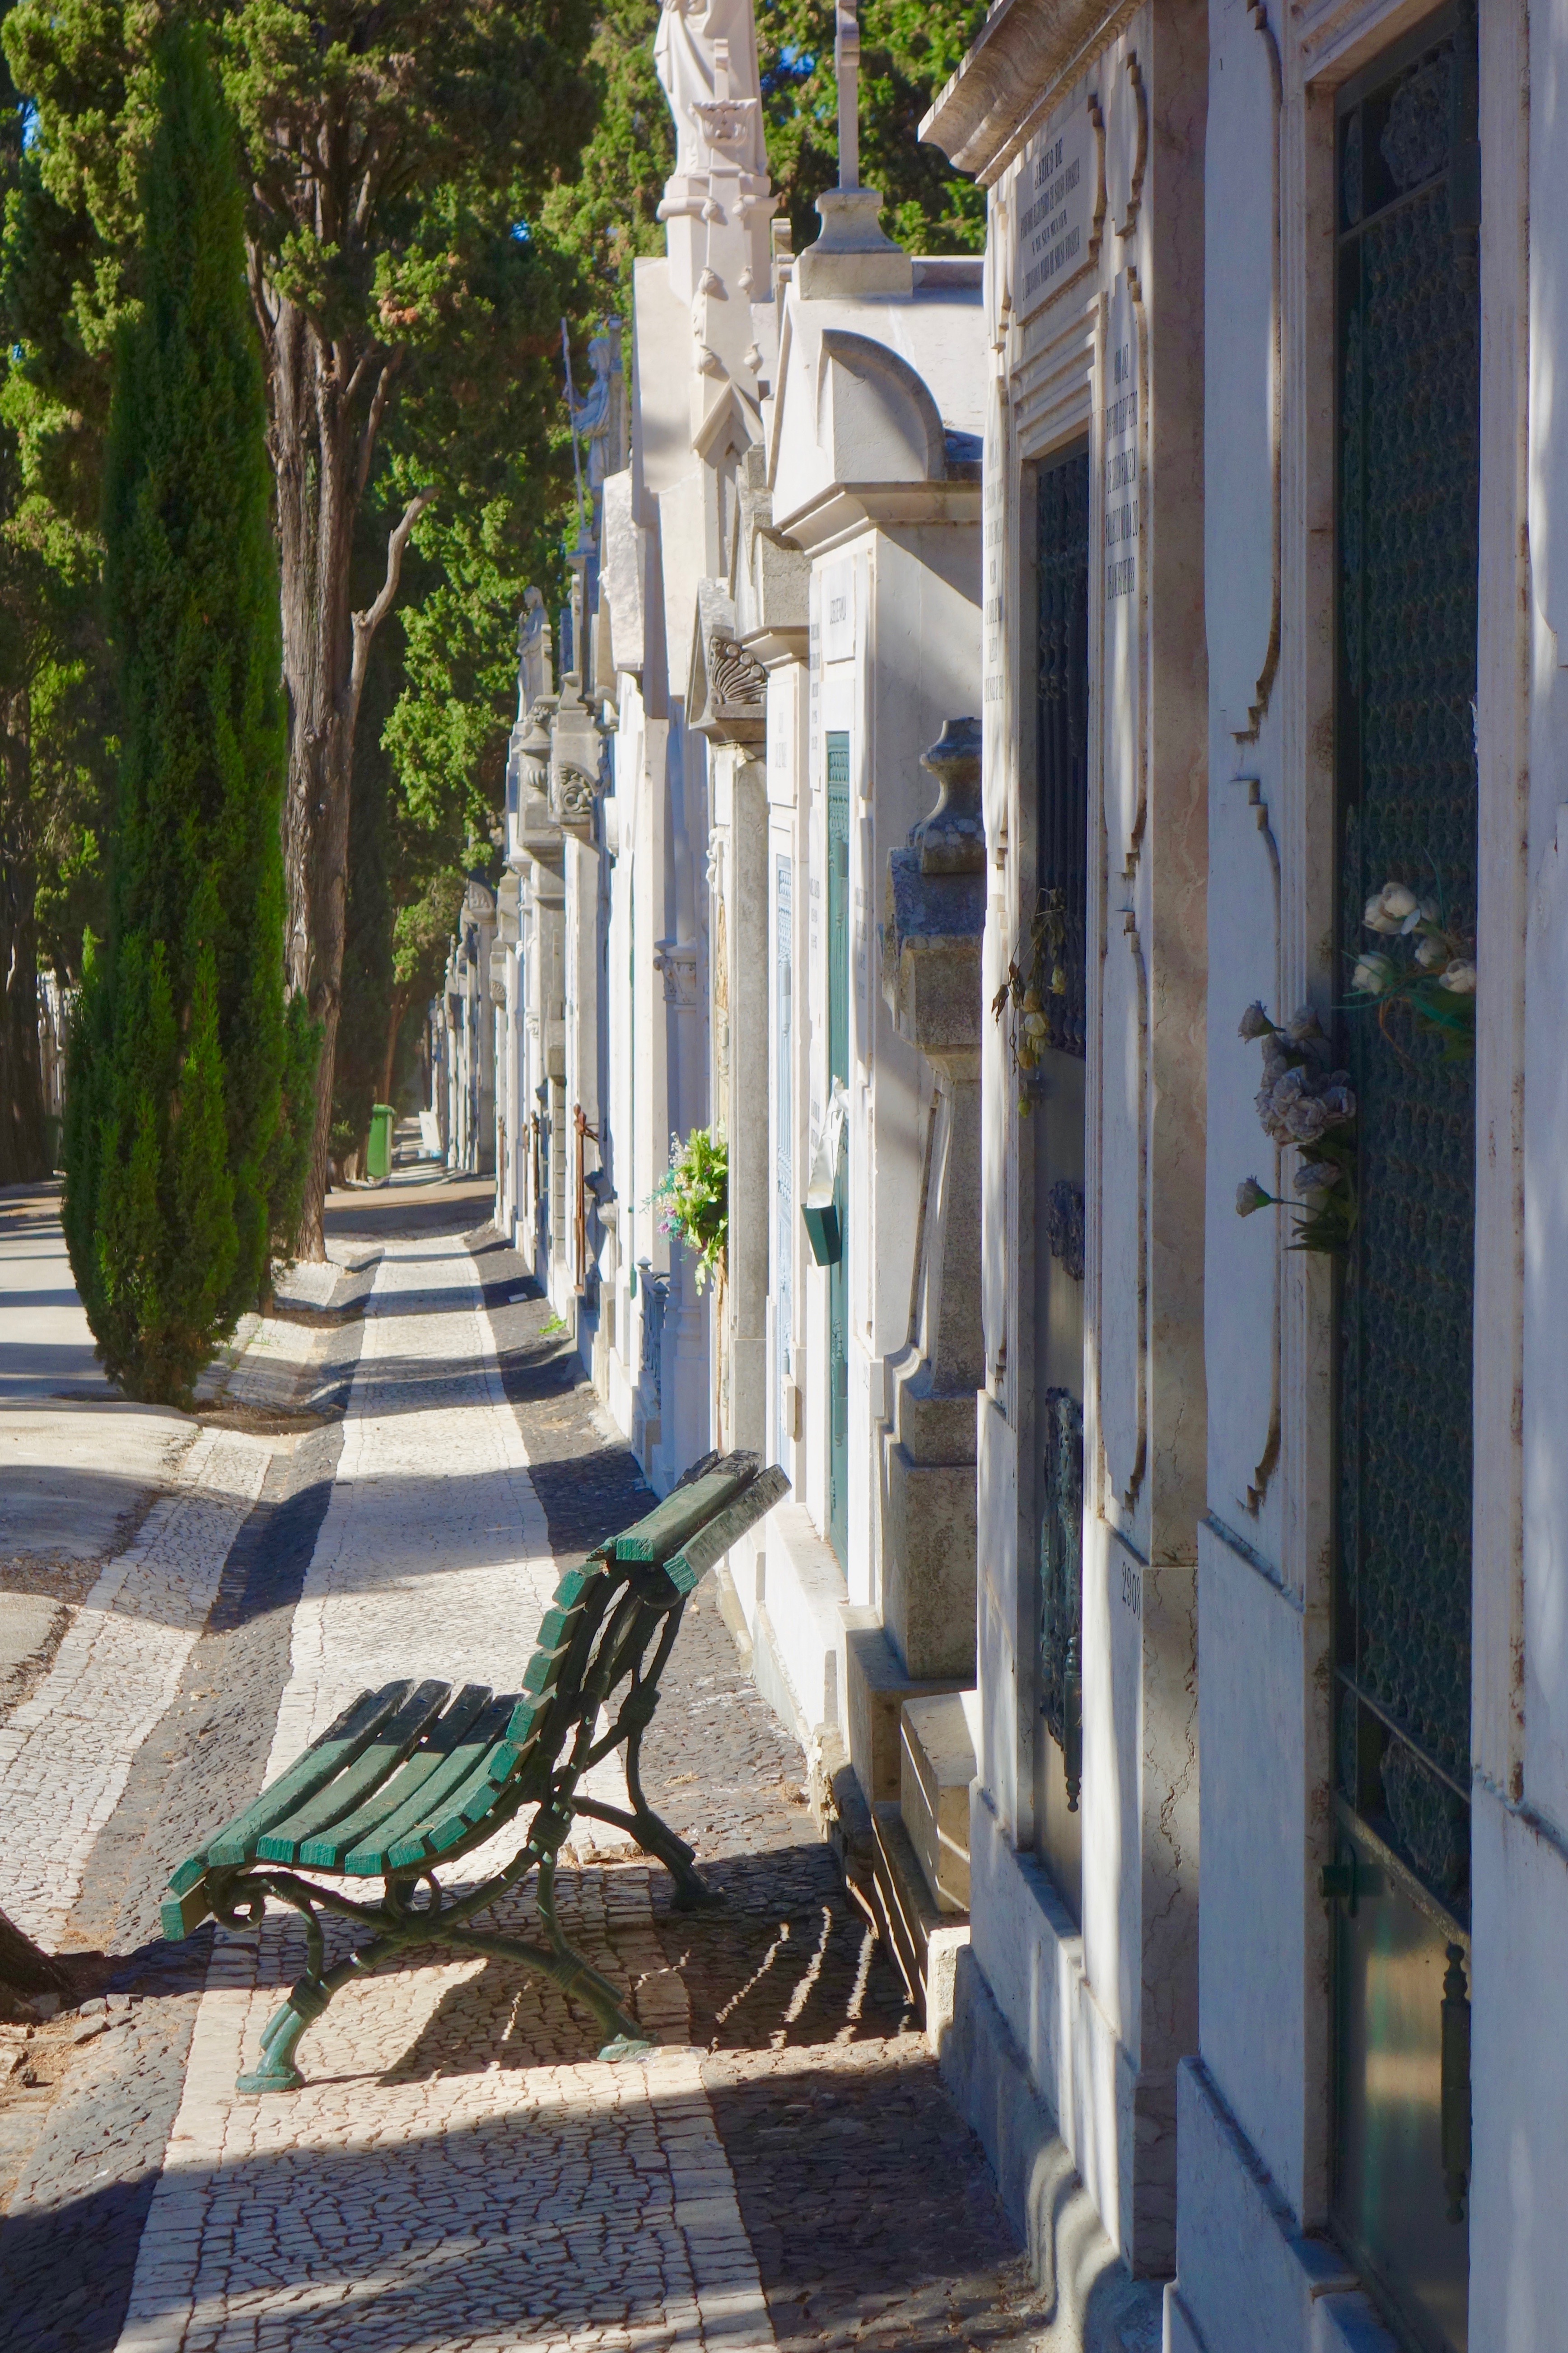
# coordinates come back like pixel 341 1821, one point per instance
pixel 459 2169
pixel 426 2188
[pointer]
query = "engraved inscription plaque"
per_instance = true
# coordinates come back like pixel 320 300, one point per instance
pixel 1060 205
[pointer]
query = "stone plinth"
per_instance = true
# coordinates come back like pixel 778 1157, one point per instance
pixel 934 920
pixel 936 1765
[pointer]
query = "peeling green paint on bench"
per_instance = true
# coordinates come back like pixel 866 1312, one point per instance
pixel 418 1773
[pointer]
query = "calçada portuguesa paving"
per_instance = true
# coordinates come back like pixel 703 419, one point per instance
pixel 401 1464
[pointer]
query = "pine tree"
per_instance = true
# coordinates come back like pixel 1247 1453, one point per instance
pixel 180 1162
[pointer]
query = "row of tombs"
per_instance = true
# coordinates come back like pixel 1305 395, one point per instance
pixel 1040 748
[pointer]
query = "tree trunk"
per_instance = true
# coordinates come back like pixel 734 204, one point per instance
pixel 326 402
pixel 314 455
pixel 22 1154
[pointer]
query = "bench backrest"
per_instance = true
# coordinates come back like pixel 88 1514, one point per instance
pixel 612 1623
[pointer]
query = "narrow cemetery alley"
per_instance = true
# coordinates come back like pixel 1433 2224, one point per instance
pixel 389 1479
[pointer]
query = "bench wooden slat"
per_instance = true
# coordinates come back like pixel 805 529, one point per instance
pixel 337 1746
pixel 684 1511
pixel 399 1843
pixel 325 1849
pixel 353 1782
pixel 463 1811
pixel 697 1556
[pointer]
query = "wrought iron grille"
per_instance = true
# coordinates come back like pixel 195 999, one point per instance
pixel 1062 751
pixel 1061 1584
pixel 1409 400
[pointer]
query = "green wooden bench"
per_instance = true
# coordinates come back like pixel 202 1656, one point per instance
pixel 416 1774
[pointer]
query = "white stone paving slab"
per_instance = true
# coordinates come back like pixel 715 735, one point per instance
pixel 65 1753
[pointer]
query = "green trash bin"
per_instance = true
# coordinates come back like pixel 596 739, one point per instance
pixel 378 1150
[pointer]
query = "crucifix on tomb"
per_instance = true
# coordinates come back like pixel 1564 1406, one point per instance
pixel 853 254
pixel 847 69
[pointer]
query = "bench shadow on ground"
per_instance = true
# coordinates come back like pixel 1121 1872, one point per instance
pixel 423 2246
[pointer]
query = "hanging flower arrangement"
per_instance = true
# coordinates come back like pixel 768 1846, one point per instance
pixel 1434 977
pixel 691 1200
pixel 1038 970
pixel 1304 1103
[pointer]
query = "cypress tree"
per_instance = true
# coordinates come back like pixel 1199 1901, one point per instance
pixel 180 1159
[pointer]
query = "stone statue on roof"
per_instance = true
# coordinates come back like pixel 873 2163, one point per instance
pixel 706 58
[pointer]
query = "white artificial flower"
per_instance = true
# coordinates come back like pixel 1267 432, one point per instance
pixel 1305 1119
pixel 1399 901
pixel 1338 1099
pixel 1255 1022
pixel 1375 975
pixel 1431 952
pixel 1460 977
pixel 1316 1176
pixel 1374 917
pixel 1250 1195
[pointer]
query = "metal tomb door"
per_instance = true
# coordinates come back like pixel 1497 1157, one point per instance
pixel 838 1076
pixel 1056 1135
pixel 1408 396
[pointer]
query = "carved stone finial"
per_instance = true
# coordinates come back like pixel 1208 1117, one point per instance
pixel 952 840
pixel 934 912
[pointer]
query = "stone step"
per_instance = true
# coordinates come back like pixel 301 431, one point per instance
pixel 925 1942
pixel 878 1686
pixel 937 1737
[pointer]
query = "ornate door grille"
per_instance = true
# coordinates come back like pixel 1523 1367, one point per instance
pixel 1062 748
pixel 838 747
pixel 783 1144
pixel 1061 1585
pixel 1408 363
pixel 1409 477
pixel 1061 550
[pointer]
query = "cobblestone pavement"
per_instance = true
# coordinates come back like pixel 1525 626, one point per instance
pixel 459 2171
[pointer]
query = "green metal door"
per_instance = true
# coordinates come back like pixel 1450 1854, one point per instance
pixel 1408 364
pixel 838 1076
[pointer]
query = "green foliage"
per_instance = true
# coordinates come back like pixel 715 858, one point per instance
pixel 176 1174
pixel 422 934
pixel 54 720
pixel 692 1200
pixel 390 159
pixel 907 52
pixel 606 216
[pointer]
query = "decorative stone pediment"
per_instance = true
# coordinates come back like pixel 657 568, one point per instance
pixel 576 769
pixel 772 574
pixel 573 792
pixel 876 419
pixel 727 697
pixel 479 901
pixel 534 830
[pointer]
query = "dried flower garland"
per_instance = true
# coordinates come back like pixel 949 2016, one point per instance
pixel 1305 1104
pixel 1037 972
